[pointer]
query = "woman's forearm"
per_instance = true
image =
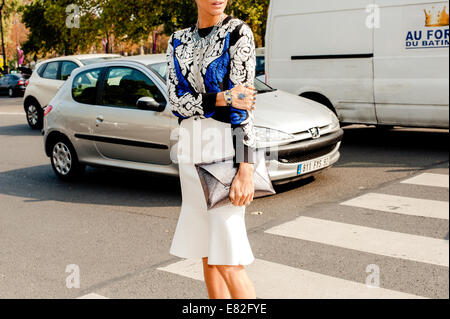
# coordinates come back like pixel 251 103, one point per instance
pixel 220 99
pixel 246 169
pixel 245 104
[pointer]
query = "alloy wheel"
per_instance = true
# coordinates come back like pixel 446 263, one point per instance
pixel 62 158
pixel 32 114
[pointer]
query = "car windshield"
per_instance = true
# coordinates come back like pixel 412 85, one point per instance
pixel 161 70
pixel 96 60
pixel 260 66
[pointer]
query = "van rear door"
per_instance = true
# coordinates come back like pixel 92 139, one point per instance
pixel 411 65
pixel 324 48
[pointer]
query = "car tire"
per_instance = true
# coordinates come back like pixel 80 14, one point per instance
pixel 385 127
pixel 35 115
pixel 11 92
pixel 64 160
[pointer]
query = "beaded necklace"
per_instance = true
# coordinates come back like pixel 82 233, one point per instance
pixel 206 41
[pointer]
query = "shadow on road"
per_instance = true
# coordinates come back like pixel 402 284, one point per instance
pixel 100 186
pixel 18 130
pixel 399 147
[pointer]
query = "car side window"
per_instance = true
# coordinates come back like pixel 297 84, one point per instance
pixel 124 86
pixel 84 86
pixel 51 71
pixel 66 68
pixel 41 69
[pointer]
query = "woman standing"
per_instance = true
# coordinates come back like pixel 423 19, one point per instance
pixel 210 88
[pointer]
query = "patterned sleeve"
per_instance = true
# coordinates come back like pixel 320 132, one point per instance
pixel 183 100
pixel 243 69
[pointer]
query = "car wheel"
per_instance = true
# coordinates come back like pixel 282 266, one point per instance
pixel 11 92
pixel 35 116
pixel 64 160
pixel 385 127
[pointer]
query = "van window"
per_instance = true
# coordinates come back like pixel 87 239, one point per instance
pixel 51 71
pixel 84 86
pixel 125 86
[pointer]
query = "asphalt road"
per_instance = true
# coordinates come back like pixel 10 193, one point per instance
pixel 116 226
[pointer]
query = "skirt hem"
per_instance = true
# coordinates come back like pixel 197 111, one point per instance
pixel 212 263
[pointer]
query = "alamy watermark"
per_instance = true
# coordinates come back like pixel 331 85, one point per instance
pixel 73 279
pixel 73 16
pixel 373 19
pixel 373 279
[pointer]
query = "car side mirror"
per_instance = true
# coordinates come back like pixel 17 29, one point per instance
pixel 150 104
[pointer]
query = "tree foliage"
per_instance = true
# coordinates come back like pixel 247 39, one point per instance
pixel 254 13
pixel 46 22
pixel 183 13
pixel 131 21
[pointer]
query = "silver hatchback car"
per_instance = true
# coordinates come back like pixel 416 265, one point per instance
pixel 115 114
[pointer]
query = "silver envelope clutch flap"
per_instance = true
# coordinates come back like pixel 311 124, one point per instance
pixel 216 179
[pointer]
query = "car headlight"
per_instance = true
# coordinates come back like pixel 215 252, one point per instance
pixel 334 122
pixel 266 137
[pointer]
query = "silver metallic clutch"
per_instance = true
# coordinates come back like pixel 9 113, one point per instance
pixel 216 179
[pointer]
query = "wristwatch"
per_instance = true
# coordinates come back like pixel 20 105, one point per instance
pixel 228 98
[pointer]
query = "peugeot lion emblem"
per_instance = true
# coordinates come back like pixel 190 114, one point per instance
pixel 315 133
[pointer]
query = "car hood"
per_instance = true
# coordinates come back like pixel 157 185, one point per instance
pixel 290 113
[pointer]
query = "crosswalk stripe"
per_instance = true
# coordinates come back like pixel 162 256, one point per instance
pixel 92 296
pixel 428 179
pixel 277 281
pixel 365 239
pixel 401 205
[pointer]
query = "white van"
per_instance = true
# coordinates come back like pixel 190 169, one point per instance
pixel 382 62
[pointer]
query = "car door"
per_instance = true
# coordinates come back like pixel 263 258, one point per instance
pixel 411 66
pixel 3 82
pixel 124 132
pixel 49 83
pixel 13 81
pixel 78 112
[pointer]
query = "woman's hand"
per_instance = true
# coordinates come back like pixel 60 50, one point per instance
pixel 243 189
pixel 248 102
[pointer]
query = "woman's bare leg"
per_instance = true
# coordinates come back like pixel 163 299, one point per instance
pixel 237 281
pixel 215 284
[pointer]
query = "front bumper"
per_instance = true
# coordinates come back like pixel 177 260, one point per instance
pixel 283 162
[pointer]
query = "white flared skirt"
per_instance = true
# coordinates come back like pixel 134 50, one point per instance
pixel 220 233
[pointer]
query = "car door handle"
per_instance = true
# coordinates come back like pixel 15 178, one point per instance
pixel 99 119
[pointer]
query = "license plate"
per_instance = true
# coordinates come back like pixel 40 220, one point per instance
pixel 313 165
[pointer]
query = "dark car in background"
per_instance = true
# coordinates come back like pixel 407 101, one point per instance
pixel 13 84
pixel 260 64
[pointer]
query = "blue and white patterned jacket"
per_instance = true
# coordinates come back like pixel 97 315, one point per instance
pixel 198 71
